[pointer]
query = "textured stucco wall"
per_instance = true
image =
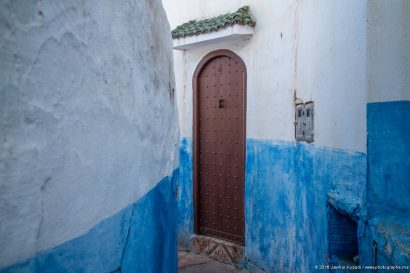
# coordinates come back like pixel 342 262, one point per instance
pixel 388 190
pixel 388 157
pixel 88 117
pixel 331 70
pixel 185 195
pixel 310 47
pixel 115 244
pixel 287 189
pixel 388 51
pixel 307 46
pixel 270 74
pixel 388 126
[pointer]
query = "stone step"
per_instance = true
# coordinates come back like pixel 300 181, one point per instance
pixel 220 250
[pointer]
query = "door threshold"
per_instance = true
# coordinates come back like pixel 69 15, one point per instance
pixel 220 250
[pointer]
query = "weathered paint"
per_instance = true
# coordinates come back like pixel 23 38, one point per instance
pixel 139 238
pixel 303 54
pixel 185 195
pixel 341 55
pixel 388 191
pixel 388 156
pixel 390 232
pixel 388 138
pixel 294 48
pixel 287 189
pixel 88 124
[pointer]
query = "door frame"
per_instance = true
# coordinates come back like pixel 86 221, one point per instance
pixel 195 129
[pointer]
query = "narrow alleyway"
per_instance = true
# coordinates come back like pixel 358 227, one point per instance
pixel 193 263
pixel 262 136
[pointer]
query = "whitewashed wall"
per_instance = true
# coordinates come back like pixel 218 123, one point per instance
pixel 331 69
pixel 317 48
pixel 388 50
pixel 87 116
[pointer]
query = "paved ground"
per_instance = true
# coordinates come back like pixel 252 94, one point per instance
pixel 192 263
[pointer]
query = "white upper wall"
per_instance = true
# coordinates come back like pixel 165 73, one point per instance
pixel 317 48
pixel 388 50
pixel 270 75
pixel 331 69
pixel 88 120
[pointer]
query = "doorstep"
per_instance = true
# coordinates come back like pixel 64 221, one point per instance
pixel 220 250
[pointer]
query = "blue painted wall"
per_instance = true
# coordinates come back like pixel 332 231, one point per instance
pixel 388 194
pixel 88 125
pixel 287 191
pixel 140 238
pixel 185 195
pixel 389 156
pixel 288 186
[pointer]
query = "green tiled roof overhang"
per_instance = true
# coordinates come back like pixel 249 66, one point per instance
pixel 240 17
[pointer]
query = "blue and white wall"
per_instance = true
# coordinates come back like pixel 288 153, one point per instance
pixel 318 50
pixel 89 137
pixel 388 131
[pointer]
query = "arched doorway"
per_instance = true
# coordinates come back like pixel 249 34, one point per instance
pixel 219 85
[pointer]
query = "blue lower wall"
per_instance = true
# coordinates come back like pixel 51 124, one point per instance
pixel 140 238
pixel 389 156
pixel 287 192
pixel 287 189
pixel 388 138
pixel 185 195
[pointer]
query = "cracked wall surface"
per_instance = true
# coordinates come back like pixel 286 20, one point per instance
pixel 88 116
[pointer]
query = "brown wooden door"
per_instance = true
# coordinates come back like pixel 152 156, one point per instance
pixel 219 146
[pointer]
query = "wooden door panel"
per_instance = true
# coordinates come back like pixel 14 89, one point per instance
pixel 220 151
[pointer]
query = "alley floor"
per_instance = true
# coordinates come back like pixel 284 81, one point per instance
pixel 193 263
